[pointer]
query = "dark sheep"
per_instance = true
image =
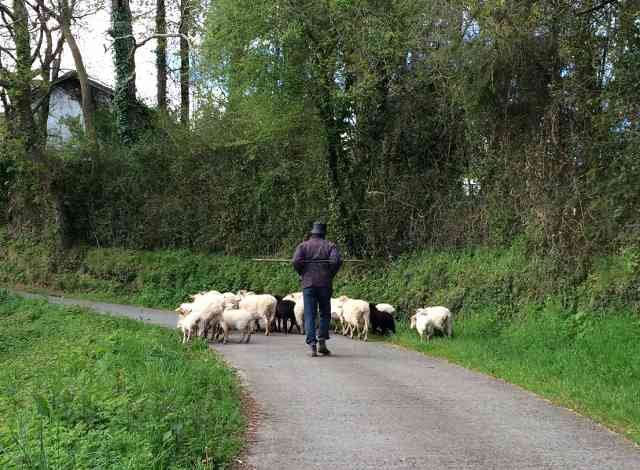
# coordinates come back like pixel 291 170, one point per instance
pixel 284 313
pixel 381 322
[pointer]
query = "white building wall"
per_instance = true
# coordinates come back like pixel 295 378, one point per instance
pixel 62 106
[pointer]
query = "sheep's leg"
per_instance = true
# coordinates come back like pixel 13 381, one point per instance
pixel 366 329
pixel 248 336
pixel 225 329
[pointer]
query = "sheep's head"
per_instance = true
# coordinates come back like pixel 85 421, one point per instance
pixel 184 309
pixel 413 321
pixel 230 304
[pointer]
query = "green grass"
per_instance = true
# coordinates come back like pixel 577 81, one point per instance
pixel 586 362
pixel 86 391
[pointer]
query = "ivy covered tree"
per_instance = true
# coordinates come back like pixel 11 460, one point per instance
pixel 124 47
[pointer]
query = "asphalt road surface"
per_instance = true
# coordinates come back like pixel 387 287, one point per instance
pixel 375 406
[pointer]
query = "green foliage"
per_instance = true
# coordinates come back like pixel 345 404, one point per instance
pixel 464 280
pixel 80 390
pixel 581 361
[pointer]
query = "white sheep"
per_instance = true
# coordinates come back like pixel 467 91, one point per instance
pixel 428 319
pixel 294 296
pixel 355 317
pixel 298 309
pixel 237 319
pixel 298 312
pixel 195 297
pixel 261 306
pixel 207 306
pixel 188 324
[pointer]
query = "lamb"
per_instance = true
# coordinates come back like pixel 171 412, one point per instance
pixel 184 309
pixel 285 311
pixel 237 319
pixel 261 306
pixel 210 307
pixel 336 312
pixel 355 316
pixel 381 321
pixel 428 319
pixel 188 324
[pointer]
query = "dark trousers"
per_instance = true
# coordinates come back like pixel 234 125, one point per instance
pixel 314 298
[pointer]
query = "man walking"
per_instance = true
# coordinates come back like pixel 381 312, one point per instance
pixel 317 261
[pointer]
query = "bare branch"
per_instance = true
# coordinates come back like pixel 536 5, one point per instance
pixel 5 11
pixel 596 8
pixel 36 51
pixel 8 52
pixel 137 44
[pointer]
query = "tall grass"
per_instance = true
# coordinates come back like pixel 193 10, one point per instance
pixel 79 390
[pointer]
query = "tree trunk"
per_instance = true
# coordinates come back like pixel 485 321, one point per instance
pixel 124 59
pixel 88 106
pixel 161 55
pixel 25 124
pixel 47 213
pixel 185 21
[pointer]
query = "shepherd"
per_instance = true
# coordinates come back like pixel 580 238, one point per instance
pixel 317 261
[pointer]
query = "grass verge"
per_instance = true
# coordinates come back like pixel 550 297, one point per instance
pixel 580 361
pixel 80 390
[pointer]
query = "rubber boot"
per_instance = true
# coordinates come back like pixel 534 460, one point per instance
pixel 322 348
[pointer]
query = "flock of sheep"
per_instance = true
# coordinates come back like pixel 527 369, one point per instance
pixel 214 314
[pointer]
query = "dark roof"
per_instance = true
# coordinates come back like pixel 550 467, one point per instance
pixel 73 75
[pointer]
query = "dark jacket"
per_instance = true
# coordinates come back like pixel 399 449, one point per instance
pixel 317 274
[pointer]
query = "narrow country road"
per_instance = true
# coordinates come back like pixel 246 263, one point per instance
pixel 374 406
